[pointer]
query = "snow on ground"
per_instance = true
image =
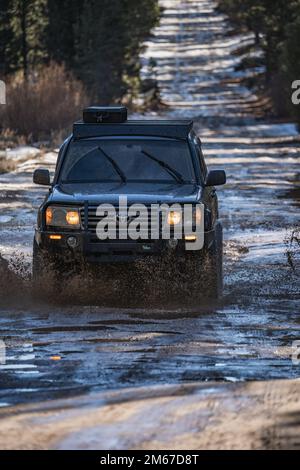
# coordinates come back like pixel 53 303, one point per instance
pixel 194 55
pixel 21 153
pixel 20 199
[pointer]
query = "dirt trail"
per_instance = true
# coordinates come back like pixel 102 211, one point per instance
pixel 249 337
pixel 190 417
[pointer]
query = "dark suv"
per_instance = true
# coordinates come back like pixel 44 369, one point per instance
pixel 130 190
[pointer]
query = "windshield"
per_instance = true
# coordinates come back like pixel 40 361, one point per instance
pixel 128 160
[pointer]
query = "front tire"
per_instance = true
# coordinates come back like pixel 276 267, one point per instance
pixel 206 269
pixel 214 269
pixel 44 272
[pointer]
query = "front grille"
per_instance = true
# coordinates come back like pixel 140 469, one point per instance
pixel 152 224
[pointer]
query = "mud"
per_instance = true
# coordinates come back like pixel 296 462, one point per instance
pixel 257 415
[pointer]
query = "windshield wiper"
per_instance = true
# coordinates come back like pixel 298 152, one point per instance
pixel 174 173
pixel 114 164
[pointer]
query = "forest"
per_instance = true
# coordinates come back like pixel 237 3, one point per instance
pixel 276 26
pixel 70 51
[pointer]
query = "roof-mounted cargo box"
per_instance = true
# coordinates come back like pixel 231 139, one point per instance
pixel 158 128
pixel 101 114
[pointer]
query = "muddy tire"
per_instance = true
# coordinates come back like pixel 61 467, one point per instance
pixel 214 266
pixel 206 270
pixel 44 273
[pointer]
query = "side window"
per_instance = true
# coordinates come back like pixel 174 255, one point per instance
pixel 201 158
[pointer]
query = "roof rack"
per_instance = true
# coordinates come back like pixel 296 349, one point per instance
pixel 175 129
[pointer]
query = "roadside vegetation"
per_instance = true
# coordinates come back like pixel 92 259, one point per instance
pixel 276 28
pixel 58 55
pixel 44 105
pixel 6 165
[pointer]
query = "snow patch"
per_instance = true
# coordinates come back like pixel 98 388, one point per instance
pixel 21 153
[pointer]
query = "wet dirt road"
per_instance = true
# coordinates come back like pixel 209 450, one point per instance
pixel 59 351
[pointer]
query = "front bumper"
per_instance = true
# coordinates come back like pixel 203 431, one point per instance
pixel 108 251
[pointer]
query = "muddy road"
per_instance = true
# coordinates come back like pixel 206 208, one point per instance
pixel 57 351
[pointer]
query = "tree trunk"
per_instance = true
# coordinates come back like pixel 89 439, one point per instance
pixel 24 41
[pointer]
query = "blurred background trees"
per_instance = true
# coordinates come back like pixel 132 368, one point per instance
pixel 94 46
pixel 22 35
pixel 100 41
pixel 276 26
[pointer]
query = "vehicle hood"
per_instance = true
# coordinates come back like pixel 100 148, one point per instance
pixel 109 193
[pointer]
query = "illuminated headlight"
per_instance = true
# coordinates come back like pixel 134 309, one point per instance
pixel 174 217
pixel 198 215
pixel 64 217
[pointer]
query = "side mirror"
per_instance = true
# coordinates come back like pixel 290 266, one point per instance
pixel 41 177
pixel 216 178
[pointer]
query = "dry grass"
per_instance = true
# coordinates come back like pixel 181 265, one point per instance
pixel 9 139
pixel 6 165
pixel 45 105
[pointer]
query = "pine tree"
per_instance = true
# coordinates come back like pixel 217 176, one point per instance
pixel 99 41
pixel 22 34
pixel 109 37
pixel 269 20
pixel 275 24
pixel 5 37
pixel 63 18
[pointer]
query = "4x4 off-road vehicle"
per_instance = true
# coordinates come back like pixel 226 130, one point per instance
pixel 127 190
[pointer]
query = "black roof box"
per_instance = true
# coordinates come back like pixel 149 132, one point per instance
pixel 174 129
pixel 102 114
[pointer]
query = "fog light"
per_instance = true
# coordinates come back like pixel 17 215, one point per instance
pixel 72 242
pixel 190 238
pixel 55 237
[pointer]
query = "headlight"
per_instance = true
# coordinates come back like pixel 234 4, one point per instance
pixel 72 218
pixel 64 217
pixel 174 217
pixel 198 215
